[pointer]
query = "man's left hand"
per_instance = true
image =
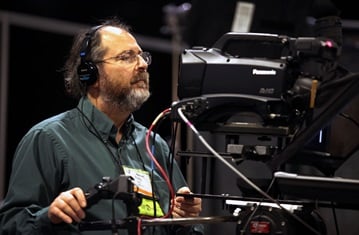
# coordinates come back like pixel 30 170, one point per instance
pixel 186 206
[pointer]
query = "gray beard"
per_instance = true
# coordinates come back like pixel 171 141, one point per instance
pixel 134 100
pixel 129 102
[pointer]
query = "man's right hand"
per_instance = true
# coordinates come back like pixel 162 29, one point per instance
pixel 68 207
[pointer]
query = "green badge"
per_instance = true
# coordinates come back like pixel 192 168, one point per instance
pixel 147 208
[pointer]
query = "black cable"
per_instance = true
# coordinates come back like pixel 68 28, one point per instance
pixel 117 161
pixel 113 220
pixel 153 196
pixel 154 189
pixel 152 175
pixel 138 152
pixel 172 147
pixel 98 135
pixel 172 150
pixel 335 219
pixel 170 159
pixel 348 117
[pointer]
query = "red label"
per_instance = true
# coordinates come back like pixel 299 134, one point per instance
pixel 260 227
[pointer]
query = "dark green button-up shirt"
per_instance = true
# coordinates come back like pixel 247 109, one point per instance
pixel 77 148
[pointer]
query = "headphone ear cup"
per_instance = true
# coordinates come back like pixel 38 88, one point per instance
pixel 87 72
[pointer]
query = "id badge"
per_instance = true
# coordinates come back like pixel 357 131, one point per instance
pixel 149 205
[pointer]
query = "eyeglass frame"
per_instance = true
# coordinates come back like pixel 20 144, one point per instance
pixel 145 55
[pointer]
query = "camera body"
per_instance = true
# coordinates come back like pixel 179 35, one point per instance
pixel 257 64
pixel 270 76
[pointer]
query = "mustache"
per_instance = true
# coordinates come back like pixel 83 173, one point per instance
pixel 143 76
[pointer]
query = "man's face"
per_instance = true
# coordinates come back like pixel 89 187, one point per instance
pixel 123 76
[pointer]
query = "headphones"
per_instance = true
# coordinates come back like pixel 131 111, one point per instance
pixel 87 70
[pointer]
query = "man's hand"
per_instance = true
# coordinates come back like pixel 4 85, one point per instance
pixel 186 206
pixel 68 207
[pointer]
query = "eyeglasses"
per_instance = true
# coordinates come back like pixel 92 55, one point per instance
pixel 129 57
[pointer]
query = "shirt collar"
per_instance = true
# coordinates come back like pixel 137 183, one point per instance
pixel 103 124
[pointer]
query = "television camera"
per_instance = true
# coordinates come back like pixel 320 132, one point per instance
pixel 264 86
pixel 266 96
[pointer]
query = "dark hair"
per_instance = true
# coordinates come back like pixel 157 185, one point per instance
pixel 73 86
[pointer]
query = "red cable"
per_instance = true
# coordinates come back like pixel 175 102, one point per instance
pixel 168 182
